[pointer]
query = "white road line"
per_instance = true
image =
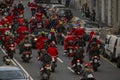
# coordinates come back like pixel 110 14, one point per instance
pixel 70 69
pixel 23 69
pixel 60 60
pixel 17 63
pixel 6 54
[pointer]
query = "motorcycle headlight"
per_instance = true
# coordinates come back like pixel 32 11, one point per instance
pixel 35 39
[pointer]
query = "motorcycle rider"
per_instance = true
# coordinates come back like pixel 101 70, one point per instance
pixel 87 70
pixel 40 41
pixel 44 58
pixel 33 7
pixel 15 11
pixel 68 38
pixel 93 47
pixel 52 50
pixel 33 24
pixel 25 41
pixel 52 36
pixel 20 5
pixel 80 42
pixel 78 55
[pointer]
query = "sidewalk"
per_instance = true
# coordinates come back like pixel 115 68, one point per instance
pixel 76 11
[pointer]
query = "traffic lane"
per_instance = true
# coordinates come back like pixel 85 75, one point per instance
pixel 105 71
pixel 1 57
pixel 32 67
pixel 27 12
pixel 62 71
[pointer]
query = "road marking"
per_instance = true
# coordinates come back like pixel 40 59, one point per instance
pixel 6 54
pixel 60 60
pixel 114 65
pixel 70 69
pixel 15 62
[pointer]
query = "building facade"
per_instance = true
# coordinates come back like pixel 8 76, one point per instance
pixel 107 11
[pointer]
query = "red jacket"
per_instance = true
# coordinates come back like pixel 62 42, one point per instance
pixel 92 33
pixel 52 51
pixel 40 42
pixel 68 38
pixel 38 16
pixel 21 29
pixel 2 31
pixel 32 5
pixel 10 18
pixel 79 32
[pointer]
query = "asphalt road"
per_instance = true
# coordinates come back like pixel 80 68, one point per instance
pixel 106 71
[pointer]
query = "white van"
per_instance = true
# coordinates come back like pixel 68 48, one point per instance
pixel 112 46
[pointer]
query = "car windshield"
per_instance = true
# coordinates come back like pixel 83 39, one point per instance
pixel 10 74
pixel 92 25
pixel 64 11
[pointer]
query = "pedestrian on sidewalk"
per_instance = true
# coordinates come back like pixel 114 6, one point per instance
pixel 87 13
pixel 93 14
pixel 67 3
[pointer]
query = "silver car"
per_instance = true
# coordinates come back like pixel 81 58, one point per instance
pixel 11 73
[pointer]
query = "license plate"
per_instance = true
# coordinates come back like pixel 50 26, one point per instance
pixel 27 56
pixel 78 63
pixel 95 60
pixel 12 48
pixel 70 51
pixel 90 76
pixel 27 45
pixel 53 59
pixel 48 67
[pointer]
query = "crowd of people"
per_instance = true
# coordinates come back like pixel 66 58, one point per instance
pixel 14 26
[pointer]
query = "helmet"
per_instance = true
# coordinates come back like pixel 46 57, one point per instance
pixel 43 33
pixel 61 22
pixel 52 30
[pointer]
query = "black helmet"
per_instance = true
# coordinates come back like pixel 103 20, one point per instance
pixel 93 44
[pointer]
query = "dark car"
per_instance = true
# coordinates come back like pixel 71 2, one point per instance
pixel 11 73
pixel 36 33
pixel 64 12
pixel 49 1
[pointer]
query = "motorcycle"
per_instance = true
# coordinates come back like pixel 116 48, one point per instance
pixel 27 54
pixel 45 73
pixel 88 77
pixel 78 67
pixel 95 61
pixel 6 60
pixel 61 38
pixel 21 13
pixel 11 50
pixel 53 63
pixel 70 51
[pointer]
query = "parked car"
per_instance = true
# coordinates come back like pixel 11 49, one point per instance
pixel 89 26
pixel 66 12
pixel 112 48
pixel 11 73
